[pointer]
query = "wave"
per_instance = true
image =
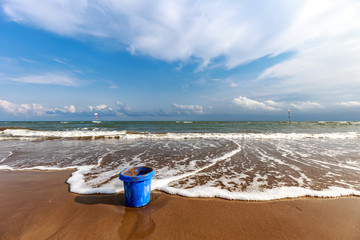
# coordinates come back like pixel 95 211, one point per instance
pixel 41 168
pixel 296 165
pixel 28 134
pixel 14 128
pixel 266 195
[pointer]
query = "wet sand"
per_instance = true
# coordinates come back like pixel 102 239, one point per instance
pixel 38 205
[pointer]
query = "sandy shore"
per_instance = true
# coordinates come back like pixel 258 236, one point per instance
pixel 38 205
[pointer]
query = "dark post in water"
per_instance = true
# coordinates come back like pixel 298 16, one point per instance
pixel 289 115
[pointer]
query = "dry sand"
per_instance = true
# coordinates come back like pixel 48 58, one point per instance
pixel 38 205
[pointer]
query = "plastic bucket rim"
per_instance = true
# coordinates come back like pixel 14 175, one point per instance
pixel 137 178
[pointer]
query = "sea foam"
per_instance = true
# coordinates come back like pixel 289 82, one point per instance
pixel 268 194
pixel 26 134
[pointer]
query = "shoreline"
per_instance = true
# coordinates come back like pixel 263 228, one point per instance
pixel 73 169
pixel 38 205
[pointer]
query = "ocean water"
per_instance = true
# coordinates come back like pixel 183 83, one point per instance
pixel 232 160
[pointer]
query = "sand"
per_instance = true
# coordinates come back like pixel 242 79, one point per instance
pixel 38 205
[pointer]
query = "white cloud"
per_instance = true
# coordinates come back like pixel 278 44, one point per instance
pixel 350 104
pixel 326 42
pixel 188 109
pixel 304 106
pixel 323 35
pixel 101 107
pixel 247 103
pixel 21 109
pixel 33 109
pixel 270 105
pixel 27 109
pixel 70 108
pixel 241 31
pixel 48 78
pixel 324 70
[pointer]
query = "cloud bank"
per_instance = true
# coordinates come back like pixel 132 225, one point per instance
pixel 241 31
pixel 167 30
pixel 120 110
pixel 32 109
pixel 21 109
pixel 323 36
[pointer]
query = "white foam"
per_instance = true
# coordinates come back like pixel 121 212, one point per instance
pixel 159 183
pixel 26 133
pixel 42 168
pixel 10 153
pixel 268 194
pixel 5 167
pixel 59 134
pixel 339 135
pixel 330 165
pixel 78 185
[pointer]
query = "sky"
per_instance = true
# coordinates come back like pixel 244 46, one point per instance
pixel 179 60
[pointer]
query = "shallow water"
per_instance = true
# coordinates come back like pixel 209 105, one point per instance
pixel 261 161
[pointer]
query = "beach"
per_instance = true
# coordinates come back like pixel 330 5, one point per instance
pixel 38 205
pixel 213 180
pixel 221 119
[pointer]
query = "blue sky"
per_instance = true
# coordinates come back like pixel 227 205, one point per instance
pixel 179 60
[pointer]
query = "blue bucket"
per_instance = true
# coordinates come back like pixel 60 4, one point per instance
pixel 137 185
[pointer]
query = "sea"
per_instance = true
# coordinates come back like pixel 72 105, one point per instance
pixel 256 161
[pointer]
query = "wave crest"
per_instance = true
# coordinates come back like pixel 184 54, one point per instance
pixel 29 134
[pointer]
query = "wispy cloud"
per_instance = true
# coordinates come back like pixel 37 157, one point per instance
pixel 241 31
pixel 63 62
pixel 247 103
pixel 61 79
pixel 350 104
pixel 27 60
pixel 270 105
pixel 111 84
pixel 324 70
pixel 326 43
pixel 322 35
pixel 305 106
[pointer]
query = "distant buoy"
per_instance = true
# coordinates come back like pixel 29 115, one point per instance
pixel 96 115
